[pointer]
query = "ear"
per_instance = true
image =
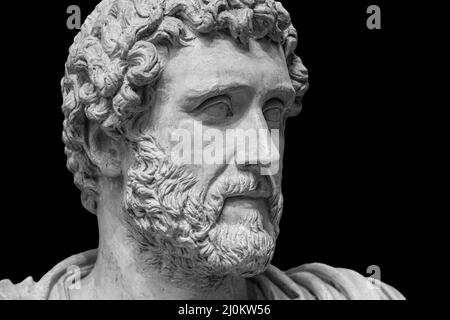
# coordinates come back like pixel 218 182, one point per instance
pixel 105 152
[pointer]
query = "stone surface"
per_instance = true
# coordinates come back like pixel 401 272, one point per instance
pixel 154 91
pixel 307 282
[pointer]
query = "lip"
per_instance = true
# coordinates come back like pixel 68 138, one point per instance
pixel 240 208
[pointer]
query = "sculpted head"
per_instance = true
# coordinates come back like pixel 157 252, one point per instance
pixel 141 71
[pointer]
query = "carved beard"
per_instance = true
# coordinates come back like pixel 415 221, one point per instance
pixel 175 224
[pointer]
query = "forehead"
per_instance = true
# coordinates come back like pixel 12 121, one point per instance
pixel 221 62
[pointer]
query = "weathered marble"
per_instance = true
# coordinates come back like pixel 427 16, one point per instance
pixel 143 71
pixel 308 282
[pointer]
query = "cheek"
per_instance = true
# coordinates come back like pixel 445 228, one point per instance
pixel 182 140
pixel 279 175
pixel 207 173
pixel 172 133
pixel 281 145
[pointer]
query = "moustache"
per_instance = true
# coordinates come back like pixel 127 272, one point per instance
pixel 243 184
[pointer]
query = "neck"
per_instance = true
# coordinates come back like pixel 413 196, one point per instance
pixel 117 274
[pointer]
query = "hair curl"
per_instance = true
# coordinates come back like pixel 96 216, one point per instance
pixel 114 60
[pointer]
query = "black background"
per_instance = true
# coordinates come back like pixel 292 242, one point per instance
pixel 350 170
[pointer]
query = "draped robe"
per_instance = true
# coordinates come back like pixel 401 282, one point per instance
pixel 314 281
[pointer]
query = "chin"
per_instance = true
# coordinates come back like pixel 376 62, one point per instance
pixel 240 249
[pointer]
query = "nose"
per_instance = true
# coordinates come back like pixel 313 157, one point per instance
pixel 262 145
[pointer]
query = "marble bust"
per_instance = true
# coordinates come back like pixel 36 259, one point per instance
pixel 140 71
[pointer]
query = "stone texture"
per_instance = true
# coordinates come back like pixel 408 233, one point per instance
pixel 140 71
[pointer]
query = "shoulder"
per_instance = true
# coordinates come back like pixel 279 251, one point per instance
pixel 24 290
pixel 51 284
pixel 317 281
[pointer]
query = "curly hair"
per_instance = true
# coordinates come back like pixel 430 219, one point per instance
pixel 114 60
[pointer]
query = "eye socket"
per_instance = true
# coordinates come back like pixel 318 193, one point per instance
pixel 273 111
pixel 217 108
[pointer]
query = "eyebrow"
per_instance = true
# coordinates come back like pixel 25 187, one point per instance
pixel 284 91
pixel 194 95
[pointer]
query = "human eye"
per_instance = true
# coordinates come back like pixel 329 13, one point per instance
pixel 273 111
pixel 217 108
